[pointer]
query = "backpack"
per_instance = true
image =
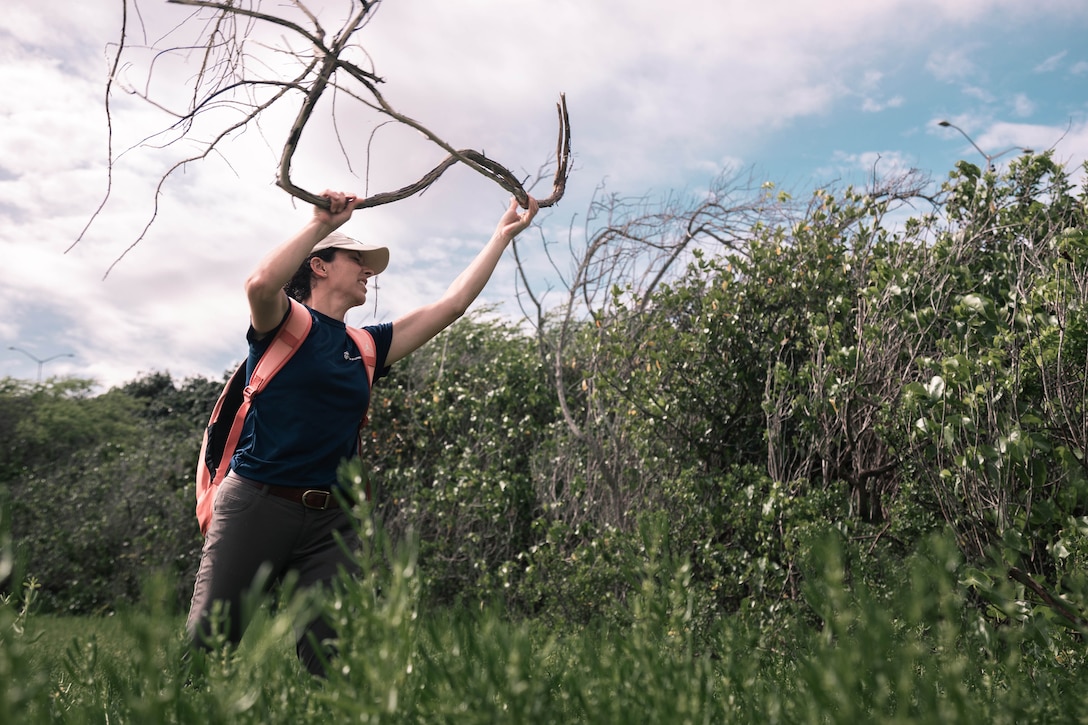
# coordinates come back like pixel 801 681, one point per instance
pixel 225 426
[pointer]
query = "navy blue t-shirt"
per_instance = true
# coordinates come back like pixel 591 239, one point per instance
pixel 306 420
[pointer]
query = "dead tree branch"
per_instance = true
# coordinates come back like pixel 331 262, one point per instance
pixel 225 81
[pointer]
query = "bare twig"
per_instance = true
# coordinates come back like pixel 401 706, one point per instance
pixel 109 127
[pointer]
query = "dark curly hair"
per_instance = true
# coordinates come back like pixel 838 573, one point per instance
pixel 299 285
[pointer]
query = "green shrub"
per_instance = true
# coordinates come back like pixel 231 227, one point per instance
pixel 922 652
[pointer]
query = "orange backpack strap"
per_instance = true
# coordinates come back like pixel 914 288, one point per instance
pixel 287 340
pixel 369 352
pixel 283 346
pixel 365 342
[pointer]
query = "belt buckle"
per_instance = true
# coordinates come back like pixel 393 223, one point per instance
pixel 324 502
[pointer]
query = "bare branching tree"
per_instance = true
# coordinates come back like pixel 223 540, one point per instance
pixel 627 248
pixel 242 73
pixel 847 396
pixel 619 262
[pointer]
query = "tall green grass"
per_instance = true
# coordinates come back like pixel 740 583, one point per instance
pixel 925 653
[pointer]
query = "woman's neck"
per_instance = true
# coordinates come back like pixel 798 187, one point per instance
pixel 326 306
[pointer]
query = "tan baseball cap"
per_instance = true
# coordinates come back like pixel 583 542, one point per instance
pixel 377 258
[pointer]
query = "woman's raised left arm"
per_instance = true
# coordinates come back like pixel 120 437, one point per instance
pixel 421 324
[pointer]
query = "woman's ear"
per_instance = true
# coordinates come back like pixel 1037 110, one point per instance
pixel 317 267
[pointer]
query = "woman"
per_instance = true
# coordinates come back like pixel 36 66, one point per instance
pixel 304 423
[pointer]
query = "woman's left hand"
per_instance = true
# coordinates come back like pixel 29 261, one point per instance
pixel 515 221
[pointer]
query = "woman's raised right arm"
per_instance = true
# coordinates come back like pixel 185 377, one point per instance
pixel 264 286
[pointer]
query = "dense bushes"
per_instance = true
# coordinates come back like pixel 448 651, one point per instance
pixel 100 488
pixel 453 437
pixel 781 373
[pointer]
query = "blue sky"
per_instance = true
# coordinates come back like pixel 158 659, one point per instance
pixel 663 97
pixel 1006 83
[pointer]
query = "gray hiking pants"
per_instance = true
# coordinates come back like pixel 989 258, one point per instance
pixel 255 533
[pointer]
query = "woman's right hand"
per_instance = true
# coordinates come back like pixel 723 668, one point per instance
pixel 341 205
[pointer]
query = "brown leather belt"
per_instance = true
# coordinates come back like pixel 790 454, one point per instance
pixel 320 499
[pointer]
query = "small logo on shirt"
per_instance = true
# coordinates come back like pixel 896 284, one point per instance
pixel 347 356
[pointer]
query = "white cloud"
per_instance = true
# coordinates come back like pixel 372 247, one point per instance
pixel 1069 142
pixel 951 66
pixel 659 96
pixel 870 164
pixel 1052 63
pixel 871 78
pixel 978 93
pixel 1022 106
pixel 872 105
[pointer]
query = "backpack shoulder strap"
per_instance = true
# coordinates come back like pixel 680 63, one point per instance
pixel 369 352
pixel 287 340
pixel 365 342
pixel 237 396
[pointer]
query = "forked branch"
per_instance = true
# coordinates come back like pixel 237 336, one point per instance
pixel 333 64
pixel 225 81
pixel 474 159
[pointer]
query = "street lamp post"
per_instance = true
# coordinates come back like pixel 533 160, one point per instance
pixel 41 361
pixel 990 158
